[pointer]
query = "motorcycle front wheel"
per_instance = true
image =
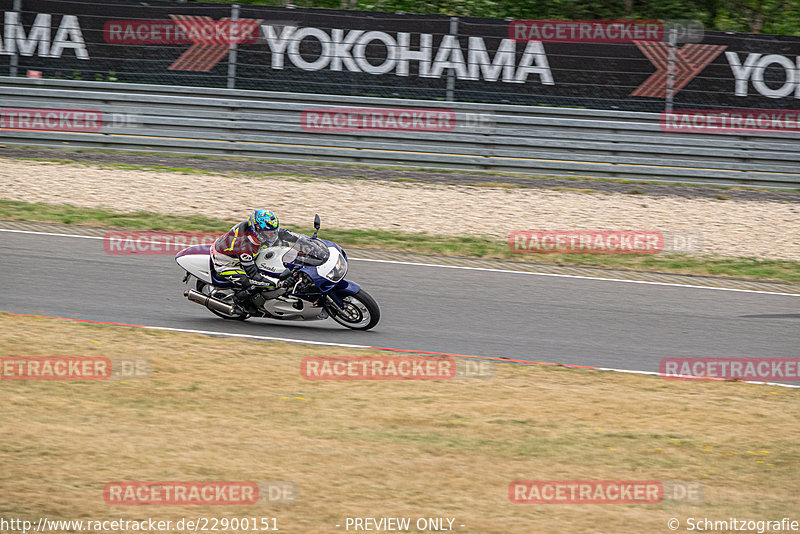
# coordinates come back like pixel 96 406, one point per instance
pixel 360 312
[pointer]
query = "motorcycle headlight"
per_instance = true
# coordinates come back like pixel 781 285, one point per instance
pixel 338 271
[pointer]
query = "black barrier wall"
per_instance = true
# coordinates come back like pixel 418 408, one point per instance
pixel 388 55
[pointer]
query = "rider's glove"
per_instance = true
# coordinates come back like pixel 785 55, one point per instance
pixel 289 280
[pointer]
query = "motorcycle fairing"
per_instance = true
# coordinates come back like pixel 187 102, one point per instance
pixel 197 261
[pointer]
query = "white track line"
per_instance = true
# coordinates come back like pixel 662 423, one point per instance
pixel 52 234
pixel 261 338
pixel 498 359
pixel 367 347
pixel 579 277
pixel 486 269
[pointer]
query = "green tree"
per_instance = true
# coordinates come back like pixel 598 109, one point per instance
pixel 748 16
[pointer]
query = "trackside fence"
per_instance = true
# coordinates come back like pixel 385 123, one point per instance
pixel 393 132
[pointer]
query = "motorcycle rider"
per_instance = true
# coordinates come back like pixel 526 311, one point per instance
pixel 234 252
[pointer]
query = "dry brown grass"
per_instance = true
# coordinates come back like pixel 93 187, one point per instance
pixel 223 409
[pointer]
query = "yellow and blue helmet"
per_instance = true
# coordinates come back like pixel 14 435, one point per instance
pixel 264 225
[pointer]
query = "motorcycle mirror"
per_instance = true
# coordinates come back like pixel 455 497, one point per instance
pixel 316 224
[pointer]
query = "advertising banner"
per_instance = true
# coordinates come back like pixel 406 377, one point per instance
pixel 594 64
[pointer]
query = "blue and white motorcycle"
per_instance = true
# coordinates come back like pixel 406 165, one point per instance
pixel 310 285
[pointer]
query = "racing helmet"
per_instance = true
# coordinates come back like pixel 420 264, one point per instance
pixel 264 225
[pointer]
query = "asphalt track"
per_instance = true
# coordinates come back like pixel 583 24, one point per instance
pixel 498 314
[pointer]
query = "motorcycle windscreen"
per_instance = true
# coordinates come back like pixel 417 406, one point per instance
pixel 307 251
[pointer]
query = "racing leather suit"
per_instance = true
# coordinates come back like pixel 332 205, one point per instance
pixel 234 253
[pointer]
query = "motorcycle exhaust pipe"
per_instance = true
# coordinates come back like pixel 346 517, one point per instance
pixel 209 302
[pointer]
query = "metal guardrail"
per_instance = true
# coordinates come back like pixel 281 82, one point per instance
pixel 485 137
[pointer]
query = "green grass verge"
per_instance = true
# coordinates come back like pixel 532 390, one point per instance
pixel 473 246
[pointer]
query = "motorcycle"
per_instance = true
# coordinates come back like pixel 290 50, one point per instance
pixel 310 285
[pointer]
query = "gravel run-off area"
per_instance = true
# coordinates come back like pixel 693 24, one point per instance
pixel 760 228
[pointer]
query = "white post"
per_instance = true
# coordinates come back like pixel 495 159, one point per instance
pixel 232 50
pixel 14 61
pixel 671 71
pixel 451 75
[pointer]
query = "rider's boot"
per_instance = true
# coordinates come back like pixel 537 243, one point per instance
pixel 242 298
